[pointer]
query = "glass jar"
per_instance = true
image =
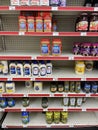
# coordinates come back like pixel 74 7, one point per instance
pixel 80 68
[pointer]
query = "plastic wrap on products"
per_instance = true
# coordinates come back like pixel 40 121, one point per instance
pixel 35 2
pixel 24 2
pixel 14 2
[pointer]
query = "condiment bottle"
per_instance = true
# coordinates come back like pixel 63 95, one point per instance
pixel 88 3
pixel 19 68
pixel 93 22
pixel 12 68
pixel 27 69
pixel 72 86
pixel 78 87
pixel 42 69
pixel 35 68
pixel 60 86
pixel 95 3
pixel 53 87
pixel 80 68
pixel 89 65
pixel 66 86
pixel 49 68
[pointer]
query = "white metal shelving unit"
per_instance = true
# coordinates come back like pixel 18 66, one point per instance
pixel 25 46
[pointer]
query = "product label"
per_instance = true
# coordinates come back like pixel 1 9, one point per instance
pixel 24 2
pixel 49 70
pixel 56 49
pixel 80 69
pixel 66 101
pixel 79 101
pixel 30 26
pixel 39 26
pixel 43 71
pixel 72 101
pixel 83 25
pixel 44 2
pixel 9 89
pixel 44 49
pixel 11 103
pixel 27 71
pixel 22 25
pixel 18 71
pixel 25 119
pixel 35 71
pixel 94 88
pixel 35 2
pixel 54 2
pixel 12 70
pixel 47 26
pixel 14 2
pixel 93 26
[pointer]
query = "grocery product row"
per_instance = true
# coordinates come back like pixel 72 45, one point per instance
pixel 58 120
pixel 87 3
pixel 43 68
pixel 45 104
pixel 38 2
pixel 11 87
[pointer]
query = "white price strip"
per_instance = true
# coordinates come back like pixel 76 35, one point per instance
pixel 88 95
pixel 25 95
pixel 65 109
pixel 10 79
pixel 34 58
pixel 65 95
pixel 51 95
pixel 11 7
pixel 55 79
pixel 32 79
pixel 96 9
pixel 71 126
pixel 45 109
pixel 55 34
pixel 48 125
pixel 71 58
pixel 83 33
pixel 83 109
pixel 4 126
pixel 23 109
pixel 25 126
pixel 54 9
pixel 83 79
pixel 21 33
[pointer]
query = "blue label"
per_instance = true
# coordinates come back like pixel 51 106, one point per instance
pixel 45 26
pixel 49 70
pixel 18 71
pixel 13 70
pixel 56 49
pixel 94 87
pixel 11 103
pixel 22 25
pixel 37 88
pixel 44 49
pixel 39 26
pixel 87 86
pixel 3 103
pixel 26 71
pixel 31 26
pixel 25 117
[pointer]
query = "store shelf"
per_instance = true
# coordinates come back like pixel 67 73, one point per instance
pixel 65 74
pixel 37 56
pixel 70 34
pixel 47 8
pixel 37 120
pixel 54 104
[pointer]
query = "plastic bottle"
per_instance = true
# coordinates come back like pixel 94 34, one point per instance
pixel 49 68
pixel 10 87
pixel 38 86
pixel 19 68
pixel 28 84
pixel 42 68
pixel 27 69
pixel 35 68
pixel 88 3
pixel 3 102
pixel 12 68
pixel 25 117
pixel 5 67
pixel 2 87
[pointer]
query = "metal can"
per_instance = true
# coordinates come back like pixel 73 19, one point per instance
pixel 25 101
pixel 25 117
pixel 56 117
pixel 64 116
pixel 49 117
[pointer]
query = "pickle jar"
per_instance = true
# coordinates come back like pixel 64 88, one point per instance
pixel 64 116
pixel 53 87
pixel 25 101
pixel 78 87
pixel 72 86
pixel 49 117
pixel 66 86
pixel 60 86
pixel 56 117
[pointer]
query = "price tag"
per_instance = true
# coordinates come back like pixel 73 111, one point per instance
pixel 55 34
pixel 21 33
pixel 11 7
pixel 45 109
pixel 34 58
pixel 96 9
pixel 51 95
pixel 83 79
pixel 32 79
pixel 71 58
pixel 23 109
pixel 83 33
pixel 54 9
pixel 65 109
pixel 65 95
pixel 83 109
pixel 25 95
pixel 0 95
pixel 9 79
pixel 4 126
pixel 88 95
pixel 71 126
pixel 25 126
pixel 48 125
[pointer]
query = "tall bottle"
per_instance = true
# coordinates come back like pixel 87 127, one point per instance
pixel 27 69
pixel 49 68
pixel 35 68
pixel 19 68
pixel 42 68
pixel 12 68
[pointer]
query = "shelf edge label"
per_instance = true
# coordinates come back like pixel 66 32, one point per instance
pixel 95 8
pixel 12 8
pixel 83 34
pixel 54 8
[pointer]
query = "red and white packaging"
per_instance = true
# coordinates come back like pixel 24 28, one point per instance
pixel 35 2
pixel 14 2
pixel 24 2
pixel 44 2
pixel 47 24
